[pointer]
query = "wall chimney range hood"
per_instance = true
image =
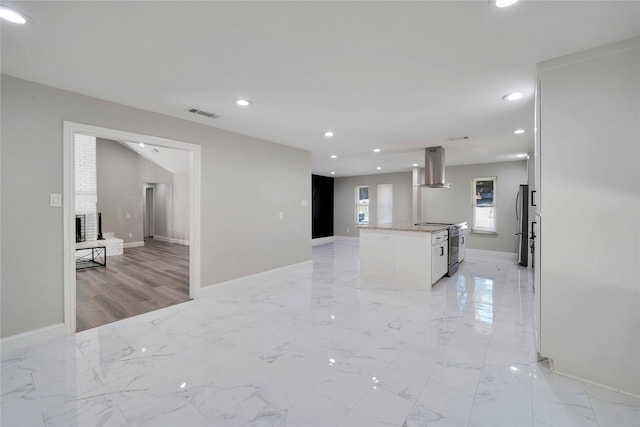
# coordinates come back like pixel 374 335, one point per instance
pixel 434 168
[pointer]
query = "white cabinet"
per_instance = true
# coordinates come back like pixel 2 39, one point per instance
pixel 411 259
pixel 376 254
pixel 439 255
pixel 439 260
pixel 587 178
pixel 403 257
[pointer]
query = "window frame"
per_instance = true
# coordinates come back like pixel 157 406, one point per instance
pixel 358 205
pixel 474 186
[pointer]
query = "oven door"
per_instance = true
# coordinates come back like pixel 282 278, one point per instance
pixel 454 248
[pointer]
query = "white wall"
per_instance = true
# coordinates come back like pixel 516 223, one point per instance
pixel 454 204
pixel 245 183
pixel 344 200
pixel 589 205
pixel 121 175
pixel 163 210
pixel 181 206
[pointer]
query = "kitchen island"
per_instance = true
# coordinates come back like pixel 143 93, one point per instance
pixel 404 254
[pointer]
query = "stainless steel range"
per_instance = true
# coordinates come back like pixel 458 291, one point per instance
pixel 454 243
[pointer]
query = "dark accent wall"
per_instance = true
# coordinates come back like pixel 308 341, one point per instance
pixel 322 206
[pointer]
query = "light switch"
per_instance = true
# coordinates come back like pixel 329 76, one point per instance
pixel 281 215
pixel 55 200
pixel 304 203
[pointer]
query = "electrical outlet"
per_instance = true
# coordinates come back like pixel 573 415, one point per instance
pixel 55 200
pixel 347 230
pixel 130 235
pixel 304 203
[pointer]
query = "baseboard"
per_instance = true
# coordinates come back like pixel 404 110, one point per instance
pixel 347 238
pixel 204 290
pixel 617 390
pixel 507 255
pixel 171 240
pixel 322 240
pixel 37 336
pixel 133 244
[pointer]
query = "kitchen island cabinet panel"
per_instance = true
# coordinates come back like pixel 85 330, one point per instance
pixel 439 261
pixel 401 255
pixel 411 258
pixel 376 254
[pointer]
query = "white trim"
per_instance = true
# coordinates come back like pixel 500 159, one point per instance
pixel 204 290
pixel 68 227
pixel 194 223
pixel 608 387
pixel 171 240
pixel 132 244
pixel 474 187
pixel 70 129
pixel 347 238
pixel 482 232
pixel 476 252
pixel 322 240
pixel 608 49
pixel 37 336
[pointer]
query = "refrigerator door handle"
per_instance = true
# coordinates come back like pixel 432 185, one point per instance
pixel 517 215
pixel 532 202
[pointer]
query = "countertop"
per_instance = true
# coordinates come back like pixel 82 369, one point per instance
pixel 404 227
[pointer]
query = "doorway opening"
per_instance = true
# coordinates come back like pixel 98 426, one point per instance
pixel 123 218
pixel 148 211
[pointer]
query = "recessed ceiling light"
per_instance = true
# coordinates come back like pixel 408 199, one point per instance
pixel 379 168
pixel 11 15
pixel 333 156
pixel 141 144
pixel 243 102
pixel 328 134
pixel 518 131
pixel 376 150
pixel 512 96
pixel 415 165
pixel 333 173
pixel 505 3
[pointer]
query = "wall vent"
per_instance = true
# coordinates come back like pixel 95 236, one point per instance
pixel 202 113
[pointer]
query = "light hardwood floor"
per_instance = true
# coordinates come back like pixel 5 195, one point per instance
pixel 144 279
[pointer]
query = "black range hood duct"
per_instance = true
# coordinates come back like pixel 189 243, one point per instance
pixel 434 168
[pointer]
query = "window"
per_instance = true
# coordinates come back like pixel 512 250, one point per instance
pixel 484 205
pixel 384 195
pixel 362 204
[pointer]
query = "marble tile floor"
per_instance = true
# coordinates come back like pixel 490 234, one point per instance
pixel 314 346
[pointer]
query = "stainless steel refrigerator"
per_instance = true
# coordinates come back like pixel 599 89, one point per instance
pixel 522 216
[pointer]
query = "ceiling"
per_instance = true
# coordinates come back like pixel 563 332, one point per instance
pixel 175 161
pixel 398 76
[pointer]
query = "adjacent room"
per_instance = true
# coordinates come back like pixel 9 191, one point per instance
pixel 132 228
